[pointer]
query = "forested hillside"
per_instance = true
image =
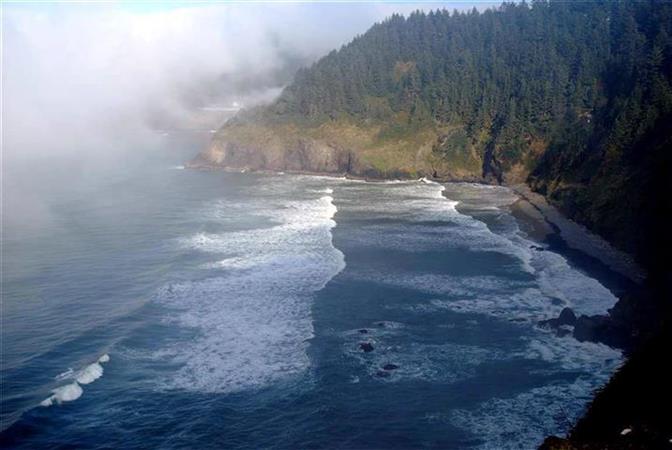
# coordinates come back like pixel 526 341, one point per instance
pixel 572 97
pixel 504 78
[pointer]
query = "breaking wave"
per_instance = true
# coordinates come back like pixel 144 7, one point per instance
pixel 252 312
pixel 72 391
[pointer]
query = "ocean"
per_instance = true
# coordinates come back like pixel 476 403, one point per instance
pixel 158 307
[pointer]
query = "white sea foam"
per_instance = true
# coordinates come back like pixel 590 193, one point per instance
pixel 444 363
pixel 64 375
pixel 90 373
pixel 393 343
pixel 419 202
pixel 556 278
pixel 73 391
pixel 572 355
pixel 254 319
pixel 552 284
pixel 323 191
pixel 67 393
pixel 234 262
pixel 428 181
pixel 523 420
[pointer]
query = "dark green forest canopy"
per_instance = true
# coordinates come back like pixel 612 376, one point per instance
pixel 523 66
pixel 575 96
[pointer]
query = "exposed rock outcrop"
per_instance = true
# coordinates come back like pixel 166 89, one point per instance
pixel 337 148
pixel 300 155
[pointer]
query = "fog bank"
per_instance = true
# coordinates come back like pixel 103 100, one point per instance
pixel 89 87
pixel 86 78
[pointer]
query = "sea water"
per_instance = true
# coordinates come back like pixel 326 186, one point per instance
pixel 171 308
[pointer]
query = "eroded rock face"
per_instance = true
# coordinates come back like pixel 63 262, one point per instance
pixel 339 149
pixel 301 155
pixel 316 156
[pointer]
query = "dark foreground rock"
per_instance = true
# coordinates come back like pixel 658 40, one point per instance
pixel 633 410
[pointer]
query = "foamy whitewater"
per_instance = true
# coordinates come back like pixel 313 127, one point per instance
pixel 73 390
pixel 253 311
pixel 237 310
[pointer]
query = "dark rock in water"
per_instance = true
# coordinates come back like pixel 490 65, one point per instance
pixel 598 328
pixel 366 347
pixel 555 443
pixel 363 331
pixel 380 324
pixel 390 367
pixel 591 328
pixel 567 317
pixel 382 374
pixel 601 329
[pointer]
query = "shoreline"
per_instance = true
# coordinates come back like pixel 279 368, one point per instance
pixel 600 260
pixel 532 209
pixel 343 175
pixel 575 236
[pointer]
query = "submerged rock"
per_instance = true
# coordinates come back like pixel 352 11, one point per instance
pixel 363 331
pixel 390 367
pixel 366 347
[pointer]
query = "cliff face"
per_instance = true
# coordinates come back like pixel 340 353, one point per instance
pixel 339 147
pixel 299 154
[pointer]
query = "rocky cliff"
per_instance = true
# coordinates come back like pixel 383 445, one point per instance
pixel 337 147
